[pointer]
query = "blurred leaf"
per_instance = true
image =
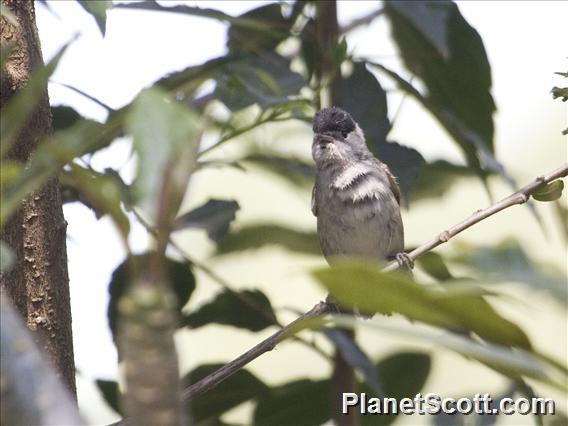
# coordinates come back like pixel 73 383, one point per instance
pixel 507 361
pixel 50 156
pixel 64 116
pixel 215 217
pixel 560 92
pixel 436 179
pixel 294 170
pixel 271 30
pixel 111 393
pixel 310 52
pixel 10 171
pixel 265 80
pixel 183 83
pixel 6 257
pixel 259 235
pixel 101 191
pixel 98 10
pixel 305 401
pixel 405 163
pixel 507 261
pixel 179 275
pixel 563 74
pixel 362 95
pixel 233 391
pixel 248 309
pixel 450 76
pixel 373 291
pixel 433 264
pixel 430 20
pixel 549 192
pixel 355 357
pixel 21 105
pixel 401 374
pixel 166 141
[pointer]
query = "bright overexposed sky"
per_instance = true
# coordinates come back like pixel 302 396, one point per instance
pixel 525 42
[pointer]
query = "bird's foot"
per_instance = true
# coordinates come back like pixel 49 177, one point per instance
pixel 404 260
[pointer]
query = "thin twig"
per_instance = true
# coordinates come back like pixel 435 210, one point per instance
pixel 519 197
pixel 322 308
pixel 266 345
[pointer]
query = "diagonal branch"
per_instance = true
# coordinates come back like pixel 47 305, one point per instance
pixel 322 308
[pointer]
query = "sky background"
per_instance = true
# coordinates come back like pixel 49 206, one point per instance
pixel 526 44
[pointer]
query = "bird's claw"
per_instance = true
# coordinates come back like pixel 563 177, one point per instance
pixel 403 259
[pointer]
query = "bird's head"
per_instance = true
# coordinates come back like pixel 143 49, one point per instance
pixel 337 138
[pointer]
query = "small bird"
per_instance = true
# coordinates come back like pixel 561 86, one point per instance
pixel 356 198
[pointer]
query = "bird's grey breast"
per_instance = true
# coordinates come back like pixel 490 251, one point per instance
pixel 354 204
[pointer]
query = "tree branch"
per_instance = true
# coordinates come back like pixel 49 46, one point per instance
pixel 519 197
pixel 322 308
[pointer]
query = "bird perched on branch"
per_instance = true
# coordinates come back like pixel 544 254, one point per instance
pixel 356 199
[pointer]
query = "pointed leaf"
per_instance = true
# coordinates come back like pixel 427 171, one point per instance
pixel 402 375
pixel 307 402
pixel 550 192
pixel 215 217
pixel 166 139
pixel 433 264
pixel 101 191
pixel 21 106
pixel 248 309
pixel 266 80
pixel 98 10
pixel 111 393
pixel 450 76
pixel 363 285
pixel 259 235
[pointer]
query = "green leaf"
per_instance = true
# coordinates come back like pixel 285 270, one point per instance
pixel 507 261
pixel 233 391
pixel 402 375
pixel 166 138
pixel 436 179
pixel 98 10
pixel 560 92
pixel 296 171
pixel 265 80
pixel 450 74
pixel 215 217
pixel 271 30
pixel 362 95
pixel 305 401
pixel 22 105
pixel 354 355
pixel 364 98
pixel 259 235
pixel 111 393
pixel 6 257
pixel 248 309
pixel 433 264
pixel 179 275
pixel 549 192
pixel 64 116
pixel 50 156
pixel 363 285
pixel 101 191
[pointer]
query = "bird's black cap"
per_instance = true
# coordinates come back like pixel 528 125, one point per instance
pixel 332 120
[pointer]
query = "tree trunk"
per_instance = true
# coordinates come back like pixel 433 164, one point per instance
pixel 38 282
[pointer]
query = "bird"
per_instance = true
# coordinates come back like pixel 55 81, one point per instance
pixel 355 198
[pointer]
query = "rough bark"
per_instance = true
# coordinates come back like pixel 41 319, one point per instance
pixel 38 282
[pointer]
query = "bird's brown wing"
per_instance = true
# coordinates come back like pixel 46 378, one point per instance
pixel 392 179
